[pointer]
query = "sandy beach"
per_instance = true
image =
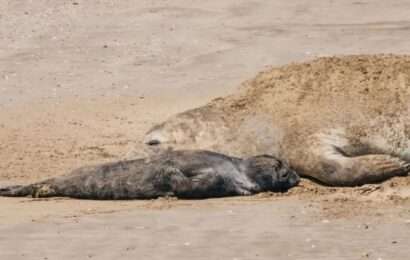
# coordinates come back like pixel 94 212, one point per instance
pixel 82 81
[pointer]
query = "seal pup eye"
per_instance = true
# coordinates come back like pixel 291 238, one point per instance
pixel 284 174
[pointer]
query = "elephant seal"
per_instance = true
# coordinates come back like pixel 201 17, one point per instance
pixel 184 174
pixel 342 121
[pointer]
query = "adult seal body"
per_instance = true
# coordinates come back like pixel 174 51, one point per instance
pixel 343 121
pixel 184 174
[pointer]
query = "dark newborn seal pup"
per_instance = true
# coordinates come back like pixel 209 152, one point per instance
pixel 184 174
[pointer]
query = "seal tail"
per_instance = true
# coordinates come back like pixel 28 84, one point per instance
pixel 16 191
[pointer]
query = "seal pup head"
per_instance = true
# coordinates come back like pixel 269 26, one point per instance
pixel 271 174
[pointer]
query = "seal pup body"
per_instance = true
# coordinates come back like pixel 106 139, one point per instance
pixel 184 174
pixel 340 121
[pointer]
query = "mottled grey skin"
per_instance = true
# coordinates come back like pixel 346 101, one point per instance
pixel 184 174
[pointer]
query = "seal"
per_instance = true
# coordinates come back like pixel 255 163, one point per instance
pixel 342 121
pixel 183 174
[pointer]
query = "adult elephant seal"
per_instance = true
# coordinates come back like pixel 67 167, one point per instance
pixel 343 121
pixel 184 174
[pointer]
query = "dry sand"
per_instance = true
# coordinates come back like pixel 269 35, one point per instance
pixel 81 82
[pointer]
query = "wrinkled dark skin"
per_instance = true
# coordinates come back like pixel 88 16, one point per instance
pixel 184 174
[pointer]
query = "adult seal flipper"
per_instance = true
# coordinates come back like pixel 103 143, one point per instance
pixel 335 160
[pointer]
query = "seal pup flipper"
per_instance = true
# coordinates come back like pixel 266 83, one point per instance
pixel 209 182
pixel 336 161
pixel 204 183
pixel 39 190
pixel 16 191
pixel 167 181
